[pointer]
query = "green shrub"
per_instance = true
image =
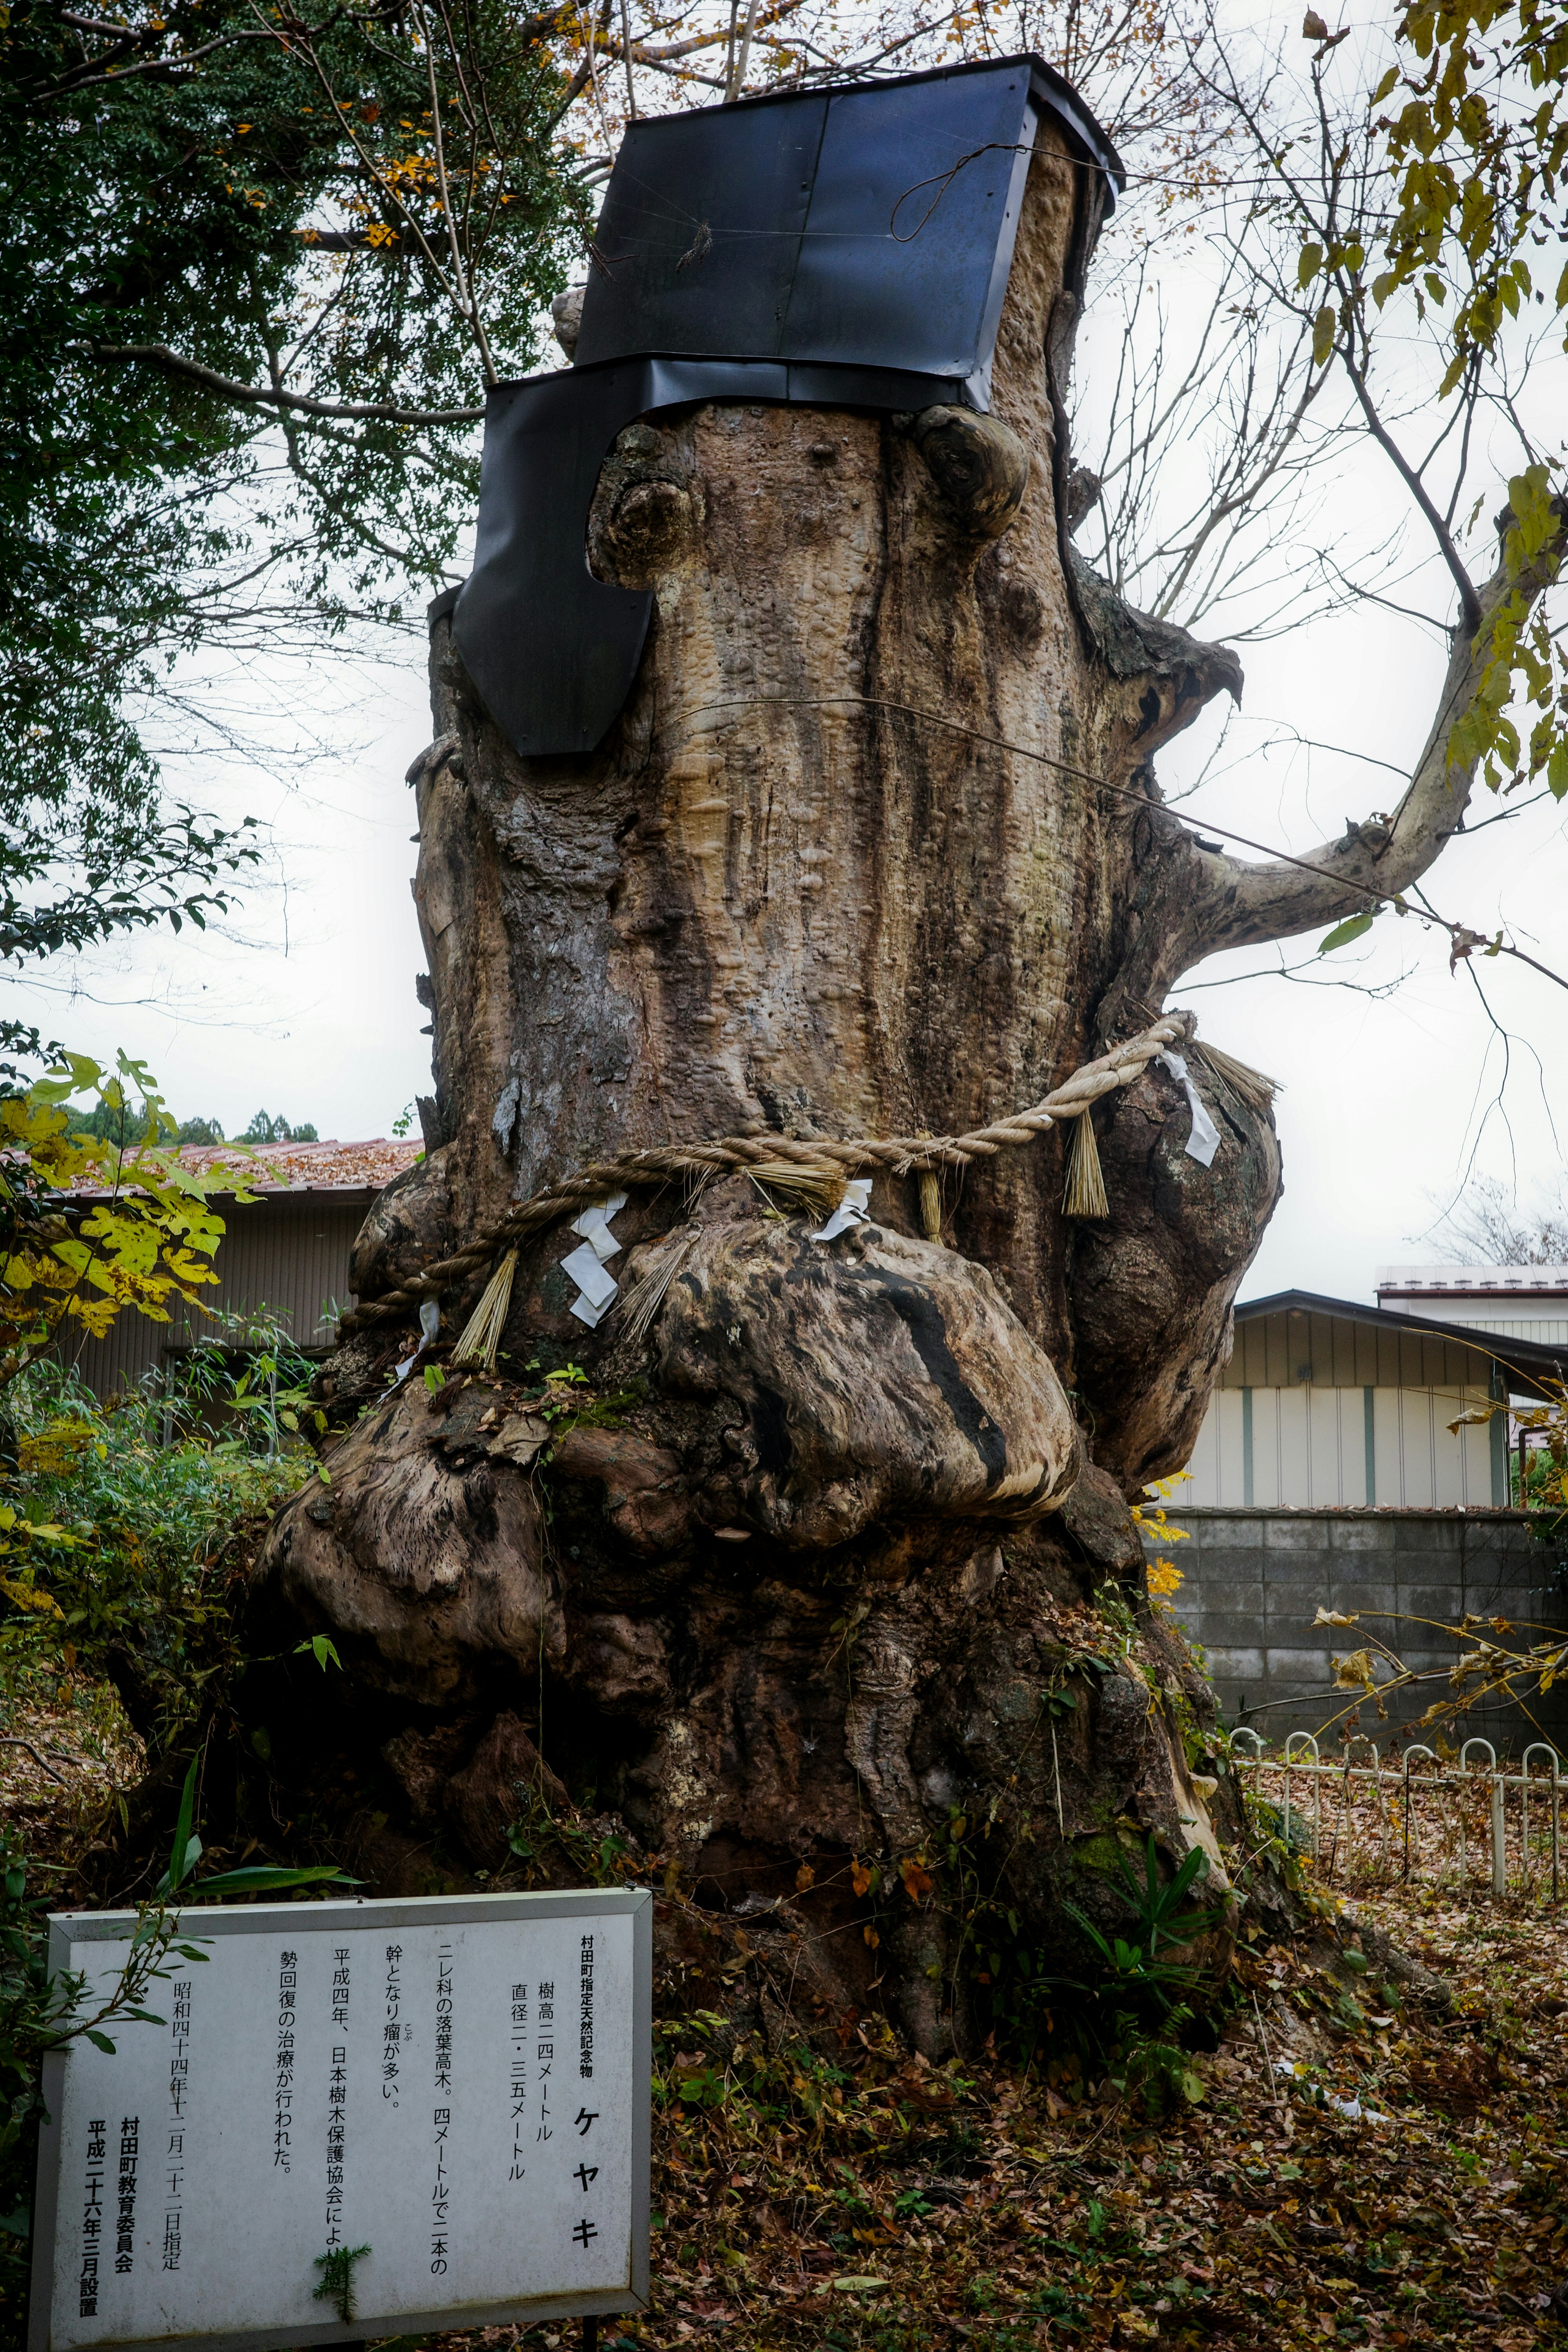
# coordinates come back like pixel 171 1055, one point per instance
pixel 119 1530
pixel 116 1561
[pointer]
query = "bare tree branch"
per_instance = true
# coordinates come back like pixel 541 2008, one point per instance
pixel 365 412
pixel 1237 905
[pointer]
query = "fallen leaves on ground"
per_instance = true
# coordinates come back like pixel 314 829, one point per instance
pixel 64 1754
pixel 972 2205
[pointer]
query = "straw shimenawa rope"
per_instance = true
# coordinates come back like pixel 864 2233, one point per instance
pixel 815 1170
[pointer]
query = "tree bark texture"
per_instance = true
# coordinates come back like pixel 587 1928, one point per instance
pixel 851 1562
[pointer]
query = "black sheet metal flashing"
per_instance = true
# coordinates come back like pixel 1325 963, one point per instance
pixel 554 651
pixel 847 247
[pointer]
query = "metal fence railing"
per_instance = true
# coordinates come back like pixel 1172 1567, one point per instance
pixel 1472 1827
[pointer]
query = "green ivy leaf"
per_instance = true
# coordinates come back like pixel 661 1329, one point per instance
pixel 1343 933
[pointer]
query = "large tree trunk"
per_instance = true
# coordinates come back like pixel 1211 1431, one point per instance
pixel 856 1562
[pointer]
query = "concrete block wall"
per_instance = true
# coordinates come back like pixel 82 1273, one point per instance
pixel 1253 1581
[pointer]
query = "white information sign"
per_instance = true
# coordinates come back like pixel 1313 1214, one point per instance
pixel 459 2088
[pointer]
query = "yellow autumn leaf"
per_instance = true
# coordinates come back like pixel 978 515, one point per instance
pixel 27 1596
pixel 135 1249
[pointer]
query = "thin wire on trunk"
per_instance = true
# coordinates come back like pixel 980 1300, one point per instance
pixel 1425 913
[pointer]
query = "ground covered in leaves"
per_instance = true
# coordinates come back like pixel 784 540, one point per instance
pixel 1403 2184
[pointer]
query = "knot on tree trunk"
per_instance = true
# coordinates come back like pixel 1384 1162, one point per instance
pixel 652 527
pixel 979 466
pixel 429 1570
pixel 650 505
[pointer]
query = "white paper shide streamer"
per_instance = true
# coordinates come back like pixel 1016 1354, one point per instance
pixel 596 1287
pixel 429 1329
pixel 855 1209
pixel 1204 1140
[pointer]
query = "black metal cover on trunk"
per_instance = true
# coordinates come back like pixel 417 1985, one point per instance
pixel 847 247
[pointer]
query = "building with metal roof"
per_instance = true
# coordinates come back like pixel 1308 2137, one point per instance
pixel 1327 1403
pixel 1516 1302
pixel 284 1257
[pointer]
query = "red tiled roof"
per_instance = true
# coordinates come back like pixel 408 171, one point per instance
pixel 273 1168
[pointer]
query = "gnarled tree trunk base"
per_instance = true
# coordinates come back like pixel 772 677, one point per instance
pixel 815 1593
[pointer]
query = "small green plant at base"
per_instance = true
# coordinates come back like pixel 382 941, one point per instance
pixel 337 2269
pixel 251 1878
pixel 1133 1964
pixel 542 1839
pixel 273 1392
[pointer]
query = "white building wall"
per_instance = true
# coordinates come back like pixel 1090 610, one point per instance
pixel 1515 1302
pixel 1505 1320
pixel 1308 1450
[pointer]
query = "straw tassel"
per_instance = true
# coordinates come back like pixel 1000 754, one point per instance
pixel 643 1302
pixel 1085 1193
pixel 1252 1086
pixel 930 1205
pixel 819 1189
pixel 481 1333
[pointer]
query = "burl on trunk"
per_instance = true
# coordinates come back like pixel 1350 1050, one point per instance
pixel 845 1584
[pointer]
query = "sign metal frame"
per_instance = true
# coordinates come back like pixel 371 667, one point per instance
pixel 196 1924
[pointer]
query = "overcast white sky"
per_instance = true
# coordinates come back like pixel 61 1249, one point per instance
pixel 305 1005
pixel 302 1003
